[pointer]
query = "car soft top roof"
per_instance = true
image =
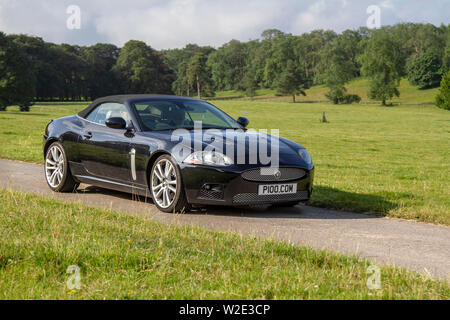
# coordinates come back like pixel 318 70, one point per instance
pixel 128 98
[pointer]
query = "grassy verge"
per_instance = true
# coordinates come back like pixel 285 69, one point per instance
pixel 393 161
pixel 21 132
pixel 127 257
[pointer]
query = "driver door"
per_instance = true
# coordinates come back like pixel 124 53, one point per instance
pixel 104 152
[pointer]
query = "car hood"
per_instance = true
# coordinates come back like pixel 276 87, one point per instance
pixel 237 140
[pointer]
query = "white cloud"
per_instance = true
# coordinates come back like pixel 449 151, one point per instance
pixel 387 4
pixel 186 21
pixel 309 17
pixel 174 23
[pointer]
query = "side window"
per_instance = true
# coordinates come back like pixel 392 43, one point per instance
pixel 108 110
pixel 92 115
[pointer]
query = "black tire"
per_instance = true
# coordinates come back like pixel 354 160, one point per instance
pixel 179 203
pixel 67 182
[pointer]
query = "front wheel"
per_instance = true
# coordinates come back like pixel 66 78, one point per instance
pixel 166 186
pixel 57 172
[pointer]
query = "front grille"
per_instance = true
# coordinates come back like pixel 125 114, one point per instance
pixel 281 174
pixel 251 198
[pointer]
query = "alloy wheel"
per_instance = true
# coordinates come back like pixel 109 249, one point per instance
pixel 164 183
pixel 54 166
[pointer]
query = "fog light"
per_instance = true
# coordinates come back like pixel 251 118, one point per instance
pixel 213 187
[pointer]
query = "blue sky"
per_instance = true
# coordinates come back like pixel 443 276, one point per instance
pixel 174 23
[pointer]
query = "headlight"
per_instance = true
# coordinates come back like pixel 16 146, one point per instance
pixel 305 156
pixel 210 158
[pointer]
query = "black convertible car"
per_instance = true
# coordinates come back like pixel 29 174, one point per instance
pixel 151 145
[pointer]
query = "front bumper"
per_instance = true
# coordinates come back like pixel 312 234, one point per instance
pixel 226 186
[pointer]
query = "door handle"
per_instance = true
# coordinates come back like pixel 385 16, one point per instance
pixel 88 135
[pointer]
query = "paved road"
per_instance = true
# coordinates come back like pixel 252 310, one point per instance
pixel 418 246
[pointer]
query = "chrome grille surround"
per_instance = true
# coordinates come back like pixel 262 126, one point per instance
pixel 285 174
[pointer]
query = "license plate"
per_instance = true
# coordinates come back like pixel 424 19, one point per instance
pixel 286 188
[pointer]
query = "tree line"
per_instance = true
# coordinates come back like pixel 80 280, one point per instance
pixel 34 70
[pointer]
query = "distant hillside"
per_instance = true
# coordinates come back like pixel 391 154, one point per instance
pixel 408 94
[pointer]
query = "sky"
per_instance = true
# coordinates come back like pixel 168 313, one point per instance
pixel 166 24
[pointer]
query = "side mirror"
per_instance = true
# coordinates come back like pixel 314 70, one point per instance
pixel 243 121
pixel 116 123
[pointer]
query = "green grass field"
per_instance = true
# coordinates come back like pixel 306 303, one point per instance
pixel 392 161
pixel 128 257
pixel 408 94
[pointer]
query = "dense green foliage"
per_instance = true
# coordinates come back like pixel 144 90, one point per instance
pixel 443 98
pixel 228 65
pixel 320 57
pixel 69 72
pixel 17 84
pixel 193 73
pixel 140 69
pixel 292 81
pixel 382 63
pixel 337 68
pixel 323 58
pixel 425 70
pixel 101 79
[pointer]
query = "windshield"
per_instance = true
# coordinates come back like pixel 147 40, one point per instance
pixel 156 115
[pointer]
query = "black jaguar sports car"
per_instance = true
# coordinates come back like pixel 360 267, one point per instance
pixel 179 151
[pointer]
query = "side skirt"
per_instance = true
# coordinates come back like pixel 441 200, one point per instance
pixel 107 184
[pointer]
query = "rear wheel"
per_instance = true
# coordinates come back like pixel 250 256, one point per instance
pixel 57 172
pixel 166 186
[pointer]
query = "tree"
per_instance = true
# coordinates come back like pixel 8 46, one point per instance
pixel 382 63
pixel 443 97
pixel 17 80
pixel 200 75
pixel 228 65
pixel 280 53
pixel 249 82
pixel 308 48
pixel 336 69
pixel 446 55
pixel 101 80
pixel 41 57
pixel 180 60
pixel 140 69
pixel 72 69
pixel 292 81
pixel 414 40
pixel 425 71
pixel 182 85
